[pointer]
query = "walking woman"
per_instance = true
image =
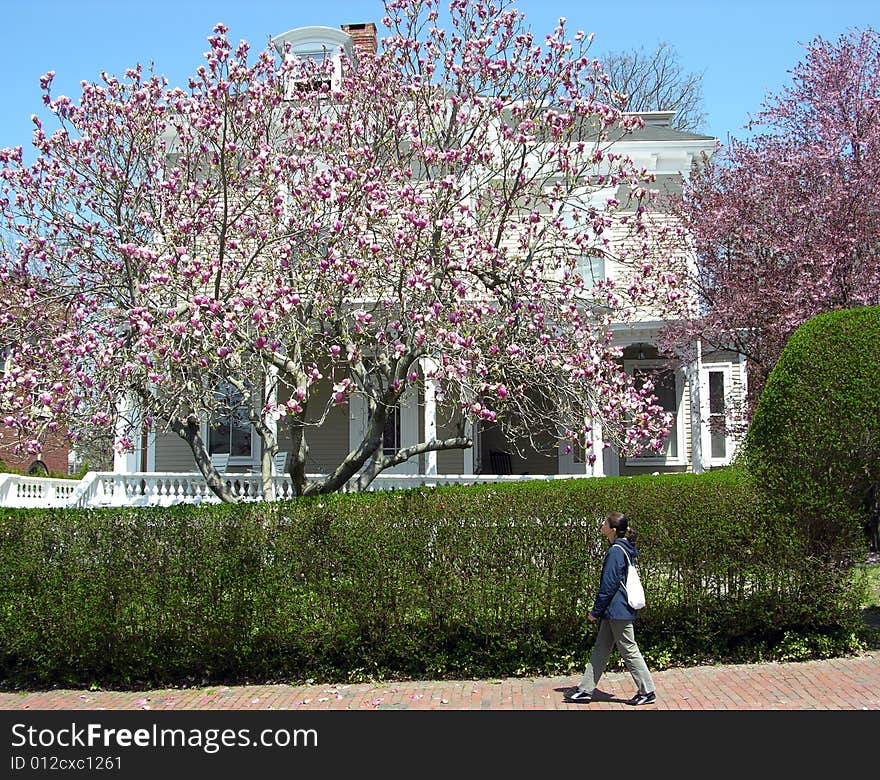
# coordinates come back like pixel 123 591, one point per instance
pixel 615 618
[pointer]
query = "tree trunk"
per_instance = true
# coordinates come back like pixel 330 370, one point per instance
pixel 190 432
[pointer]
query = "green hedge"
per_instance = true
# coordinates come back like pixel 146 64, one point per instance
pixel 814 441
pixel 468 581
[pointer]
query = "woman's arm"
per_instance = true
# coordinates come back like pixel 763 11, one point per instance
pixel 612 575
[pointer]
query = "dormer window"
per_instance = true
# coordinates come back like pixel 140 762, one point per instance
pixel 322 45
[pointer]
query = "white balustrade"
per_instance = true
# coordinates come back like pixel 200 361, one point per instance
pixel 106 489
pixel 26 491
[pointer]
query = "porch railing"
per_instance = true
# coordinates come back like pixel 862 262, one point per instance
pixel 99 489
pixel 22 491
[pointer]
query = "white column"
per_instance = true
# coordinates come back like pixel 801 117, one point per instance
pixel 409 430
pixel 151 450
pixel 467 466
pixel 740 401
pixel 699 412
pixel 743 377
pixel 270 393
pixel 598 467
pixel 127 424
pixel 430 413
pixel 151 444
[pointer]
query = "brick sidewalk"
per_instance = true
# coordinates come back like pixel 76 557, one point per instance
pixel 836 684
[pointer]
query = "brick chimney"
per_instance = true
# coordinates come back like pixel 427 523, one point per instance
pixel 363 35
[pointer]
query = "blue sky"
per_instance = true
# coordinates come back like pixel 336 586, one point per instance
pixel 744 47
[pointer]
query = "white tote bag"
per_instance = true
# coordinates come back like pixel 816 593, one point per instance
pixel 635 593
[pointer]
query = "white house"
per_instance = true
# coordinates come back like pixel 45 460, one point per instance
pixel 695 395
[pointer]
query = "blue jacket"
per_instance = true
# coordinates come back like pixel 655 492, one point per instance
pixel 610 601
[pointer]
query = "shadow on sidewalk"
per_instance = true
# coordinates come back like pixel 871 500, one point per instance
pixel 598 695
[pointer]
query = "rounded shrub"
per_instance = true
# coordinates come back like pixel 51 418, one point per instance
pixel 814 442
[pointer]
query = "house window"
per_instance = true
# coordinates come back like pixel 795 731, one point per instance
pixel 717 416
pixel 578 450
pixel 321 45
pixel 321 80
pixel 391 433
pixel 591 269
pixel 230 430
pixel 667 392
pixel 664 389
pixel 591 266
pixel 716 384
pixel 39 409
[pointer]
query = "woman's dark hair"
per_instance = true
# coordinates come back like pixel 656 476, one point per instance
pixel 619 522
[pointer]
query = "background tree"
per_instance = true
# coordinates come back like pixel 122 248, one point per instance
pixel 656 81
pixel 270 228
pixel 785 225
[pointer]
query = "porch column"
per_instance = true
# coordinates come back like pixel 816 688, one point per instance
pixel 127 424
pixel 467 466
pixel 267 457
pixel 151 450
pixel 270 394
pixel 741 401
pixel 598 467
pixel 699 432
pixel 430 413
pixel 743 376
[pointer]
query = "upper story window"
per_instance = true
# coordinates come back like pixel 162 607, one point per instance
pixel 591 269
pixel 320 44
pixel 590 264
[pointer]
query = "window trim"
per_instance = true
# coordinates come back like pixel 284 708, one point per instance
pixel 680 437
pixel 252 460
pixel 584 263
pixel 726 369
pixel 394 418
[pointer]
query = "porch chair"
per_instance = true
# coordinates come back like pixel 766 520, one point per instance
pixel 500 462
pixel 279 464
pixel 220 461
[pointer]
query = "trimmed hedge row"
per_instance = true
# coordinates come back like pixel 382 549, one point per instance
pixel 467 581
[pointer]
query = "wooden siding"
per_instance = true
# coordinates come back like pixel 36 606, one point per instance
pixel 173 453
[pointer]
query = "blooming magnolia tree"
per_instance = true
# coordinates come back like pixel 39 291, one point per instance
pixel 417 220
pixel 785 225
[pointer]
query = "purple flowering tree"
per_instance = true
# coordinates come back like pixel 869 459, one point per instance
pixel 785 225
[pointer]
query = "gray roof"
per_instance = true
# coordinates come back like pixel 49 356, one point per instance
pixel 657 133
pixel 588 130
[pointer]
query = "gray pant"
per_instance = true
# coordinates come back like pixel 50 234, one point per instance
pixel 618 632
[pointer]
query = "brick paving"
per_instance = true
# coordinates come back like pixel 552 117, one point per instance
pixel 836 684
